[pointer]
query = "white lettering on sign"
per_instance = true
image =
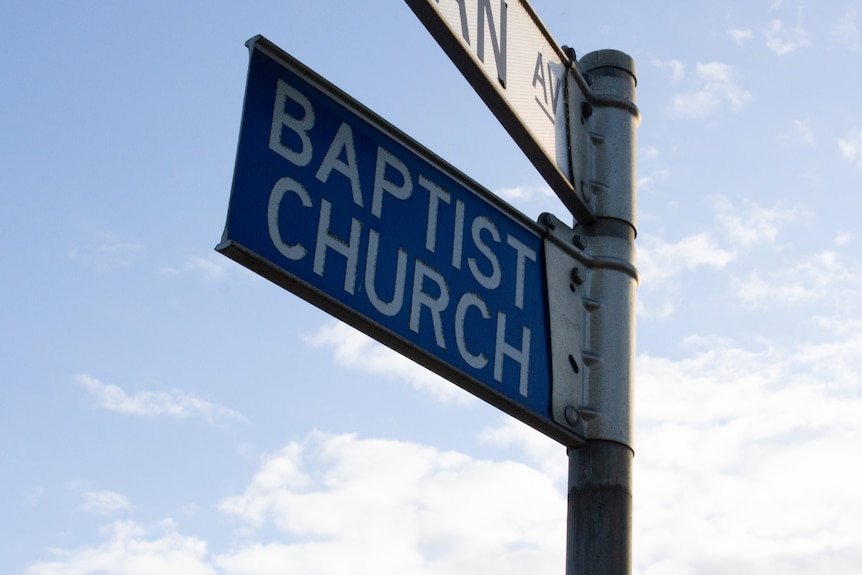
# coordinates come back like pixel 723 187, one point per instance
pixel 393 306
pixel 498 37
pixel 285 93
pixel 281 187
pixel 435 304
pixel 520 355
pixel 339 242
pixel 492 280
pixel 350 249
pixel 481 24
pixel 524 254
pixel 548 85
pixel 469 300
pixel 458 237
pixel 400 190
pixel 343 141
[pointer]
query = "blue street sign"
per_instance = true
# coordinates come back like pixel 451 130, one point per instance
pixel 332 203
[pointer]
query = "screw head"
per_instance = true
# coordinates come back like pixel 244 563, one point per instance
pixel 578 242
pixel 547 220
pixel 571 414
pixel 578 276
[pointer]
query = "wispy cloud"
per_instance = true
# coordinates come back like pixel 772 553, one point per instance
pixel 32 495
pixel 713 87
pixel 740 36
pixel 175 403
pixel 129 549
pixel 645 183
pixel 524 193
pixel 851 148
pixel 676 68
pixel 649 152
pixel 747 224
pixel 800 132
pixel 105 252
pixel 358 351
pixel 843 238
pixel 820 277
pixel 739 228
pixel 211 268
pixel 782 40
pixel 659 261
pixel 104 502
pixel 847 30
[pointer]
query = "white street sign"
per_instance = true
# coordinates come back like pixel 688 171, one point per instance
pixel 514 64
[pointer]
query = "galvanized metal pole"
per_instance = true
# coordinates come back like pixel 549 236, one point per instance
pixel 599 538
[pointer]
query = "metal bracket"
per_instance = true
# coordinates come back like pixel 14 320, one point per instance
pixel 568 274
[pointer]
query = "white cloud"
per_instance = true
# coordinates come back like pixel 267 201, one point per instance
pixel 645 183
pixel 783 41
pixel 524 193
pixel 739 228
pixel 820 277
pixel 104 502
pixel 748 225
pixel 174 403
pixel 677 68
pixel 211 268
pixel 649 308
pixel 649 152
pixel 356 350
pixel 755 290
pixel 714 87
pixel 741 458
pixel 105 252
pixel 660 261
pixel 851 148
pixel 129 551
pixel 843 238
pixel 801 132
pixel 32 495
pixel 740 36
pixel 847 30
pixel 541 452
pixel 395 507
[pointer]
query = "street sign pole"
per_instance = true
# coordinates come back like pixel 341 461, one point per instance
pixel 600 479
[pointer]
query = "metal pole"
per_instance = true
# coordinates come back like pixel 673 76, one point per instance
pixel 600 472
pixel 600 509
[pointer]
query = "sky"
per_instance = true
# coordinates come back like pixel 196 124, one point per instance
pixel 164 410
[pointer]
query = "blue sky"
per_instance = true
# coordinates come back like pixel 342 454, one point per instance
pixel 163 410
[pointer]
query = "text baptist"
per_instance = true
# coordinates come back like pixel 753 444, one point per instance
pixel 428 295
